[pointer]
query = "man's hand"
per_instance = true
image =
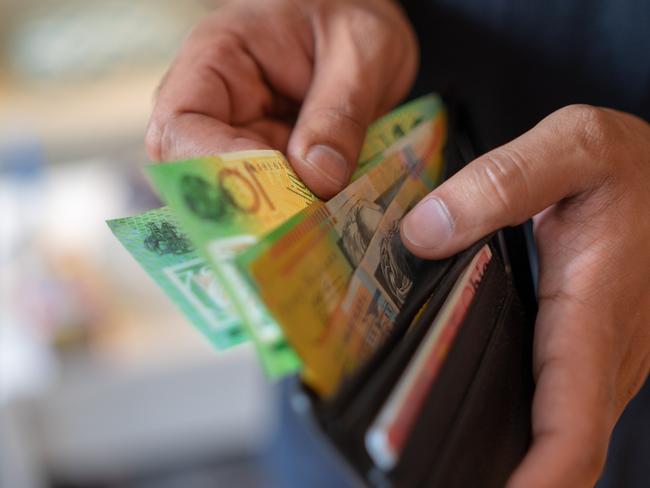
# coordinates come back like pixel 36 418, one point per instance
pixel 308 76
pixel 302 76
pixel 584 172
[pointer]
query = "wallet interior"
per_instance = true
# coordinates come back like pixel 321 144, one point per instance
pixel 477 413
pixel 475 423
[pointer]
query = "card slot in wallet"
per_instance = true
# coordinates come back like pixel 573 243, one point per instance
pixel 477 413
pixel 349 426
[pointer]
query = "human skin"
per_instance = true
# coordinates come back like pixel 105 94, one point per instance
pixel 308 76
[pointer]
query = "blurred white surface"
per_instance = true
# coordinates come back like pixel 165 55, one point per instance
pixel 101 378
pixel 105 423
pixel 148 391
pixel 82 74
pixel 111 422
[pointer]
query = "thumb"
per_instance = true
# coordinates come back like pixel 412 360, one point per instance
pixel 510 184
pixel 351 85
pixel 327 139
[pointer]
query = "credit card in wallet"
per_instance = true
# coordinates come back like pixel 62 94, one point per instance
pixel 387 435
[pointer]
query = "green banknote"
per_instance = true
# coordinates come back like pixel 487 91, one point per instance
pixel 387 130
pixel 225 203
pixel 244 190
pixel 157 242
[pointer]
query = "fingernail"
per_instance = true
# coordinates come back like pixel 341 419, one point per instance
pixel 428 225
pixel 329 163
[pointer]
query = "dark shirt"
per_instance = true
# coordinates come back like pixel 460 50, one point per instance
pixel 515 61
pixel 512 62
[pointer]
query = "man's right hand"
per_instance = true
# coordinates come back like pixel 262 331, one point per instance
pixel 305 77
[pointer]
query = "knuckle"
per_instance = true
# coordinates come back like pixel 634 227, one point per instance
pixel 156 134
pixel 213 53
pixel 502 178
pixel 210 46
pixel 592 129
pixel 159 138
pixel 152 141
pixel 224 48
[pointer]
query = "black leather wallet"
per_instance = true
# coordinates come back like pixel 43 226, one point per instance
pixel 474 425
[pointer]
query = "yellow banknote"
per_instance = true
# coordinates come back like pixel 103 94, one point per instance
pixel 378 287
pixel 304 273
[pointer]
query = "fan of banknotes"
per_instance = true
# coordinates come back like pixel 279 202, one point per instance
pixel 249 253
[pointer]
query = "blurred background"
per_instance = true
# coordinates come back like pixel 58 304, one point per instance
pixel 102 382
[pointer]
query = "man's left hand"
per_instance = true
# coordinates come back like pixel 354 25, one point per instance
pixel 584 173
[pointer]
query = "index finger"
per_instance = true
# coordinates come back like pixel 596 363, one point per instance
pixel 220 92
